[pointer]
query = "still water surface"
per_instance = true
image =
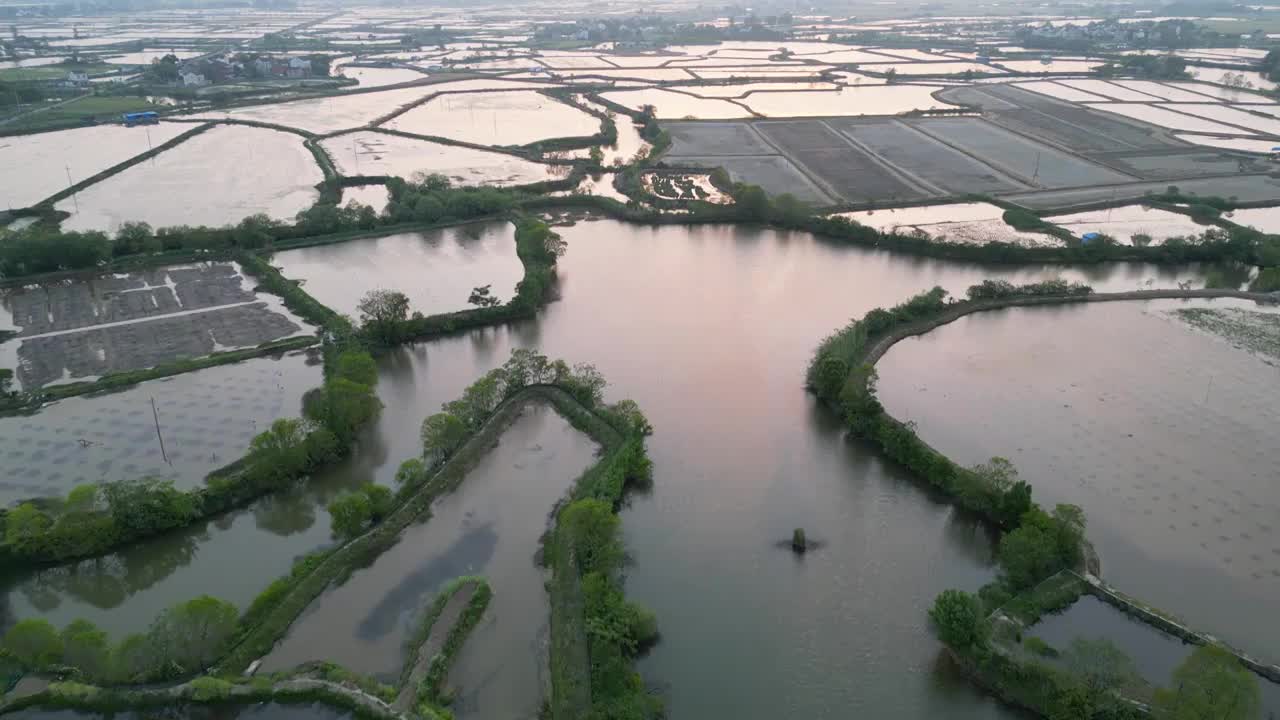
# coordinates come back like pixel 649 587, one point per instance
pixel 1164 435
pixel 709 329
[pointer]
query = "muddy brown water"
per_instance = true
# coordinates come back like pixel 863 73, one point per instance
pixel 710 329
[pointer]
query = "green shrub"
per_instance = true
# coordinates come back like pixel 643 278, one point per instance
pixel 34 642
pixel 959 620
pixel 210 689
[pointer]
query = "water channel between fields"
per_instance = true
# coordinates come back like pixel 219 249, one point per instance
pixel 489 526
pixel 709 329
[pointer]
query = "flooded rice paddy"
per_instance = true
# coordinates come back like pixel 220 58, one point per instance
pixel 206 419
pixel 670 104
pixel 375 153
pixel 375 196
pixel 1265 219
pixel 216 178
pixel 90 325
pixel 965 223
pixel 497 118
pixel 327 114
pixel 371 77
pixel 1245 144
pixel 1125 222
pixel 436 269
pixel 55 160
pixel 491 526
pixel 871 100
pixel 1169 457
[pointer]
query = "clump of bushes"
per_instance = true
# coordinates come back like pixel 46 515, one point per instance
pixel 183 639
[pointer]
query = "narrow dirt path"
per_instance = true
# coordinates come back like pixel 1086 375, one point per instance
pixel 440 630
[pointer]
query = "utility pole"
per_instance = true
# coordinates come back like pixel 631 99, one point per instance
pixel 156 415
pixel 74 199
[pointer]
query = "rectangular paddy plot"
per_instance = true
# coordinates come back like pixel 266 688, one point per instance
pixel 1190 164
pixel 207 419
pixel 852 173
pixel 1066 124
pixel 926 158
pixel 1016 155
pixel 774 173
pixel 87 327
pixel 715 138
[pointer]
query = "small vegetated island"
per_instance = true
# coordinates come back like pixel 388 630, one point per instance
pixel 241 249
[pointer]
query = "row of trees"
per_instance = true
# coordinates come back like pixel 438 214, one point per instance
pixel 446 431
pixel 93 519
pixel 183 639
pixel 432 198
pixel 1038 543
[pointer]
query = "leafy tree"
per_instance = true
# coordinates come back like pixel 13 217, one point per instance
pixel 281 449
pixel 410 474
pixel 1103 669
pixel 131 660
pixel 958 618
pixel 1042 545
pixel 751 201
pixel 34 642
pixel 86 647
pixel 1210 684
pixel 586 384
pixel 381 501
pixel 133 238
pixel 25 524
pixel 442 434
pixel 189 636
pixel 6 382
pixel 342 406
pixel 381 313
pixel 1027 555
pixel 358 367
pixel 349 513
pixel 593 529
pixel 148 505
pixel 482 396
pixel 82 498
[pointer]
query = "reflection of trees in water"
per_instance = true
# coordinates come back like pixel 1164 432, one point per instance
pixel 107 582
pixel 285 514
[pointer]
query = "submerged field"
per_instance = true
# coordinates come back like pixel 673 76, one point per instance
pixel 204 181
pixel 1154 417
pixel 91 325
pixel 456 259
pixel 1167 456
